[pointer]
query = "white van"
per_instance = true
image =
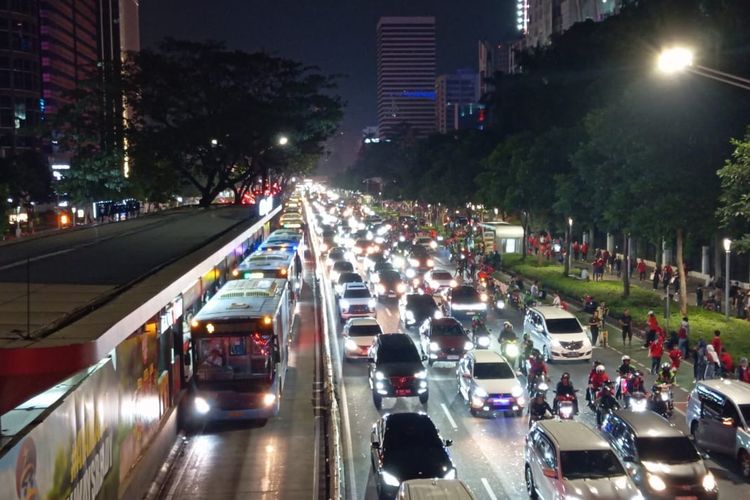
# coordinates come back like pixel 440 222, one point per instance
pixel 718 415
pixel 557 334
pixel 434 489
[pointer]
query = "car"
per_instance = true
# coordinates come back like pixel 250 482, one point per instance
pixel 415 308
pixel 718 416
pixel 464 302
pixel 488 384
pixel 344 278
pixel 567 459
pixel 661 460
pixel 444 339
pixel 396 369
pixel 359 334
pixel 420 259
pixel 440 280
pixel 356 301
pixel 363 247
pixel 374 259
pixel 434 489
pixel 388 283
pixel 406 446
pixel 336 254
pixel 340 266
pixel 557 333
pixel 426 242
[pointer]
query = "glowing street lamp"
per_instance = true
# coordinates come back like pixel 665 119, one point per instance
pixel 728 250
pixel 283 140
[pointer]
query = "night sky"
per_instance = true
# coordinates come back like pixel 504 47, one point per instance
pixel 338 36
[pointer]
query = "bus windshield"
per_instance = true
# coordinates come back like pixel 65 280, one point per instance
pixel 238 357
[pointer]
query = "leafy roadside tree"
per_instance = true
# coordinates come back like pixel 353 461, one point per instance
pixel 734 201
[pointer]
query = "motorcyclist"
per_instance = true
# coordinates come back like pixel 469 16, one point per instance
pixel 537 368
pixel 507 333
pixel 565 388
pixel 596 381
pixel 605 401
pixel 666 375
pixel 476 322
pixel 527 349
pixel 636 384
pixel 625 367
pixel 538 408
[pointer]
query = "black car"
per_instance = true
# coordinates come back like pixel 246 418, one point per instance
pixel 465 302
pixel 396 369
pixel 415 308
pixel 420 259
pixel 408 446
pixel 374 259
pixel 388 283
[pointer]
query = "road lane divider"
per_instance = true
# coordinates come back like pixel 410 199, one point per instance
pixel 488 489
pixel 449 416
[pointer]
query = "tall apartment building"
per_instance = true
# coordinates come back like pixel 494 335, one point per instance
pixel 547 17
pixel 456 103
pixel 493 57
pixel 406 75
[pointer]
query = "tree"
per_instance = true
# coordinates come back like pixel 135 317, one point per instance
pixel 734 202
pixel 213 117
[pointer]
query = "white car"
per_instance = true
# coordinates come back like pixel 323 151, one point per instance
pixel 557 334
pixel 488 384
pixel 359 333
pixel 356 301
pixel 440 280
pixel 425 241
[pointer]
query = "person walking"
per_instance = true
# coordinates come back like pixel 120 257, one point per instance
pixel 655 277
pixel 584 251
pixel 626 323
pixel 716 341
pixel 594 324
pixel 641 268
pixel 653 326
pixel 713 365
pixel 576 250
pixel 675 356
pixel 655 352
pixel 682 336
pixel 699 360
pixel 667 275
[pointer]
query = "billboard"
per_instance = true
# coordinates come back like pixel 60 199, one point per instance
pixel 85 448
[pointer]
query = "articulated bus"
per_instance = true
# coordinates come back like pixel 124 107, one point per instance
pixel 240 349
pixel 279 264
pixel 282 240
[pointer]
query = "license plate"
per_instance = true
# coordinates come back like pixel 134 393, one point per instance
pixel 452 357
pixel 403 392
pixel 235 414
pixel 572 354
pixel 470 313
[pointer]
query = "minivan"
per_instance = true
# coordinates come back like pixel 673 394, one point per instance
pixel 661 460
pixel 557 334
pixel 718 414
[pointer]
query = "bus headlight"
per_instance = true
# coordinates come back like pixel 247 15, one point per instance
pixel 201 405
pixel 269 399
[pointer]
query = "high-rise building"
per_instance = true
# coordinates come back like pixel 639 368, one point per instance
pixel 456 103
pixel 406 75
pixel 493 57
pixel 547 17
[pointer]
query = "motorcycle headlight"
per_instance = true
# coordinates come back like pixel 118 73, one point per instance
pixel 401 288
pixel 409 315
pixel 372 303
pixel 480 393
pixel 483 341
pixel 511 350
pixel 413 262
pixel 350 345
pixel 709 482
pixel 410 273
pixel 438 315
pixel 664 396
pixel 656 483
pixel 451 474
pixel 468 346
pixel 381 289
pixel 434 347
pixel 453 283
pixel 201 405
pixel 542 386
pixel 433 244
pixel 421 374
pixel 483 297
pixel 390 479
pixel 500 304
pixel 516 392
pixel 430 262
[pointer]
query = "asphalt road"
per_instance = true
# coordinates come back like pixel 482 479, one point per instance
pixel 488 453
pixel 114 254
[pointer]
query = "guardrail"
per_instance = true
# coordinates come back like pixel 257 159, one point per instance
pixel 334 449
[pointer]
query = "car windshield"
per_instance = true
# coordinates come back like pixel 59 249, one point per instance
pixel 589 464
pixel 399 354
pixel 350 278
pixel 390 276
pixel 564 325
pixel 441 276
pixel 416 434
pixel 364 330
pixel 419 252
pixel 336 254
pixel 489 371
pixel 357 293
pixel 342 266
pixel 669 450
pixel 447 329
pixel 420 301
pixel 464 294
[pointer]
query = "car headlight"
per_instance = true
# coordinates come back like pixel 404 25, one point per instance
pixel 375 279
pixel 468 346
pixel 453 283
pixel 516 392
pixel 433 244
pixel 421 374
pixel 511 350
pixel 350 345
pixel 709 482
pixel 434 347
pixel 344 304
pixel 483 341
pixel 201 405
pixel 379 375
pixel 656 483
pixel 413 262
pixel 483 297
pixel 438 314
pixel 410 273
pixel 381 289
pixel 480 393
pixel 401 288
pixel 430 263
pixel 451 474
pixel 555 343
pixel 372 303
pixel 500 304
pixel 390 479
pixel 409 315
pixel 269 399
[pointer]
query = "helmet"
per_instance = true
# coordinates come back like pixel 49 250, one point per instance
pixel 600 369
pixel 597 363
pixel 638 374
pixel 526 336
pixel 625 358
pixel 666 366
pixel 539 394
pixel 565 375
pixel 507 324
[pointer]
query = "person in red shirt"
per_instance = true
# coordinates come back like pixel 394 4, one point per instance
pixel 641 268
pixel 597 378
pixel 584 250
pixel 653 323
pixel 727 364
pixel 655 352
pixel 743 371
pixel 675 355
pixel 716 341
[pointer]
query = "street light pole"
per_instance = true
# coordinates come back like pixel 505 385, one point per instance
pixel 569 247
pixel 680 59
pixel 727 249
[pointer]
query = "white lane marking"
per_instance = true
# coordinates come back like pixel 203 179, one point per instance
pixel 388 311
pixel 487 488
pixel 448 415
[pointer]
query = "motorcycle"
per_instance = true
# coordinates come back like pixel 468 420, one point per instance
pixel 638 402
pixel 589 304
pixel 623 393
pixel 514 299
pixel 481 337
pixel 565 406
pixel 510 350
pixel 536 418
pixel 661 400
pixel 538 384
pixel 605 404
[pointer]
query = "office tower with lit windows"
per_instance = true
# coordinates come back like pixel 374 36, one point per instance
pixel 406 75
